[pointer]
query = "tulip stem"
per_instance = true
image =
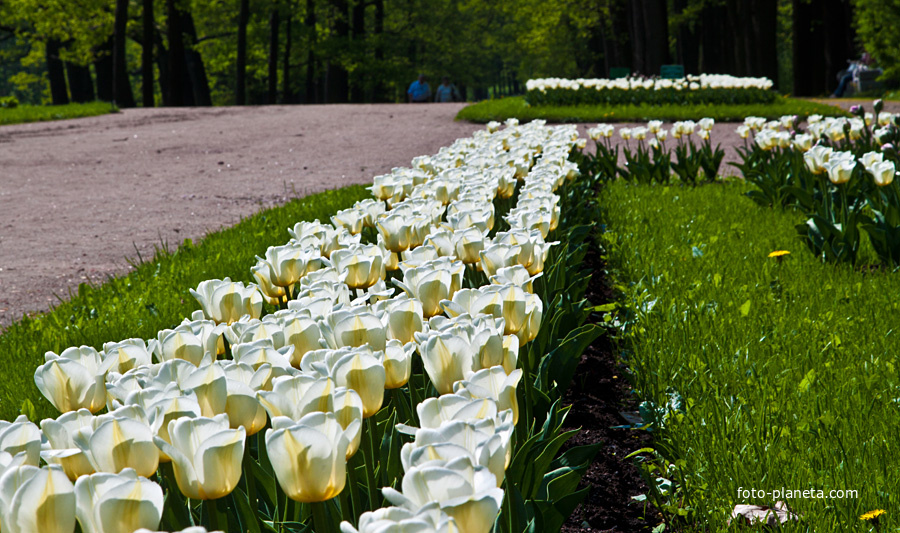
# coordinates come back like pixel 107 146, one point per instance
pixel 218 519
pixel 320 517
pixel 353 487
pixel 369 453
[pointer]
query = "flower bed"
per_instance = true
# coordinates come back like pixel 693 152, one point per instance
pixel 247 421
pixel 691 90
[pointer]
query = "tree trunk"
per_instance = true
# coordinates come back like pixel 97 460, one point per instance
pixel 103 69
pixel 358 33
pixel 378 32
pixel 656 35
pixel 311 95
pixel 688 42
pixel 272 96
pixel 122 94
pixel 81 84
pixel 286 96
pixel 808 58
pixel 765 39
pixel 147 78
pixel 177 67
pixel 336 77
pixel 838 40
pixel 310 23
pixel 162 65
pixel 240 91
pixel 56 73
pixel 199 83
pixel 636 34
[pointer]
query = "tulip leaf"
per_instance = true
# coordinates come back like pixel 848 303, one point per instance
pixel 265 480
pixel 577 456
pixel 247 515
pixel 535 471
pixel 558 367
pixel 560 482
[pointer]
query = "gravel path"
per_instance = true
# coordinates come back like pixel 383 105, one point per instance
pixel 78 197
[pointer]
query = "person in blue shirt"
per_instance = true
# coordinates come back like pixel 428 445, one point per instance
pixel 419 91
pixel 446 92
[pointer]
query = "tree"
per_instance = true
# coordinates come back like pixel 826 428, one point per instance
pixel 122 94
pixel 241 76
pixel 147 96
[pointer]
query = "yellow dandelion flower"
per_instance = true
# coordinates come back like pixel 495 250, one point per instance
pixel 872 515
pixel 779 253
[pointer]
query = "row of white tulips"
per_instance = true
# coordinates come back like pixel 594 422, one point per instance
pixel 318 368
pixel 688 83
pixel 654 132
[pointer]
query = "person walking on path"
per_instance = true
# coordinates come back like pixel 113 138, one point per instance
pixel 446 92
pixel 419 91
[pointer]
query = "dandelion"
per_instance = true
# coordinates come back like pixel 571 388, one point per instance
pixel 779 254
pixel 872 515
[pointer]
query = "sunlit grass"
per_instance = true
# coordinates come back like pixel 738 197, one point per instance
pixel 517 107
pixel 786 367
pixel 40 113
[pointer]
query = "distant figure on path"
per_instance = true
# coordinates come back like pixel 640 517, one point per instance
pixel 848 74
pixel 419 91
pixel 446 92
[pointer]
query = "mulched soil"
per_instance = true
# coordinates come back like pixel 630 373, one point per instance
pixel 600 392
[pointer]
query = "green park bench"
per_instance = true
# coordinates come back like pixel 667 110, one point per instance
pixel 671 72
pixel 619 72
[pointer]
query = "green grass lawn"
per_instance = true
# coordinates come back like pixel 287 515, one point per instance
pixel 517 107
pixel 40 113
pixel 153 297
pixel 779 374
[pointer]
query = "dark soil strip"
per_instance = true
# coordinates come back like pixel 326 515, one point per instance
pixel 598 394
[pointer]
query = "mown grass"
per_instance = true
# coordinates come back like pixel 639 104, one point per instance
pixel 40 113
pixel 779 374
pixel 152 297
pixel 517 107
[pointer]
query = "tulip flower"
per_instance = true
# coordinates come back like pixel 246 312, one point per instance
pixel 128 354
pixel 360 369
pixel 206 456
pixel 243 408
pixel 226 302
pixel 180 343
pixel 353 327
pixel 36 500
pixel 497 256
pixel 21 436
pixel 467 493
pixel 492 383
pixel 516 275
pixel 432 282
pixel 480 440
pixel 397 363
pixel 360 266
pixel 469 244
pixel 209 333
pixel 840 170
pixel 288 263
pixel 396 231
pixel 273 294
pixel 261 352
pixel 309 456
pixel 296 396
pixel 62 449
pixel 210 386
pixel 351 219
pixel 446 357
pixel 442 239
pixel 117 503
pixel 303 334
pixel 114 444
pixel 405 317
pixel 883 173
pixel 169 408
pixel 74 379
pixel 426 519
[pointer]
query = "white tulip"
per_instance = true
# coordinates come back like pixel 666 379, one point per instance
pixel 36 500
pixel 117 503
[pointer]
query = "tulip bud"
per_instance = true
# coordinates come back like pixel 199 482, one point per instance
pixel 74 379
pixel 226 302
pixel 493 383
pixel 116 443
